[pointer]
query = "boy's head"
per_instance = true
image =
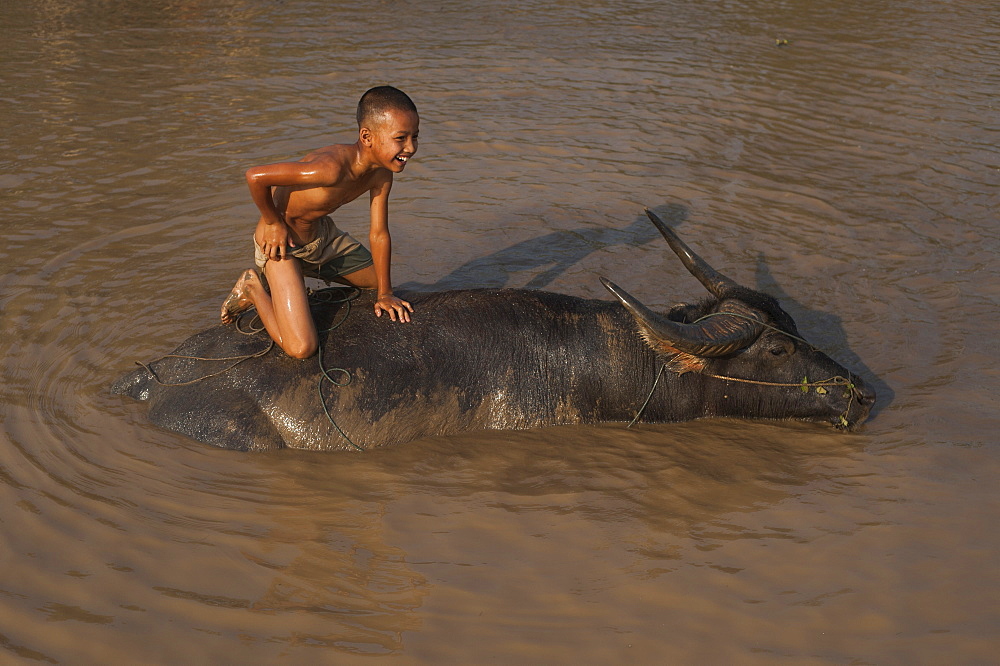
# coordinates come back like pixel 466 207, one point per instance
pixel 380 100
pixel 388 125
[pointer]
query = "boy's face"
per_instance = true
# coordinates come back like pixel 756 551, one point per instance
pixel 394 138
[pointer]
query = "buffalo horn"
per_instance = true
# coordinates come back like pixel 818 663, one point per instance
pixel 715 336
pixel 714 281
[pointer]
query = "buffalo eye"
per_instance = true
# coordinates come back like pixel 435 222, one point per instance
pixel 781 348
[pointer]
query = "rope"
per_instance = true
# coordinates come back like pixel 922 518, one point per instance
pixel 325 373
pixel 255 326
pixel 238 359
pixel 832 381
pixel 756 321
pixel 805 385
pixel 648 397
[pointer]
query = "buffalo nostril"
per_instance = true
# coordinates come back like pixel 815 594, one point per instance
pixel 864 395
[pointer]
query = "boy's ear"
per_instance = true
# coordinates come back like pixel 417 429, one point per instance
pixel 365 135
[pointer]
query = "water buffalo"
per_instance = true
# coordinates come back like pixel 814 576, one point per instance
pixel 500 359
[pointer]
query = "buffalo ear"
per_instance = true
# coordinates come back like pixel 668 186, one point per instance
pixel 684 313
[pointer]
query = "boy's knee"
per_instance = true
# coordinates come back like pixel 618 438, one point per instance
pixel 301 350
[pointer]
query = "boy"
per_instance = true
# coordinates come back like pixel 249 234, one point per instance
pixel 295 236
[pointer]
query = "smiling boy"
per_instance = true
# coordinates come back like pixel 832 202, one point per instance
pixel 295 236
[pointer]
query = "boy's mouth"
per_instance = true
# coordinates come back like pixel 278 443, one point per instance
pixel 402 158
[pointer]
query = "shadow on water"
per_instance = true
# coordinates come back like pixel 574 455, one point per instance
pixel 833 332
pixel 551 254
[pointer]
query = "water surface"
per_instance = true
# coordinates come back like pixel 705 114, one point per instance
pixel 853 173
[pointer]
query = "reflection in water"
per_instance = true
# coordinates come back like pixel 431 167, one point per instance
pixel 859 160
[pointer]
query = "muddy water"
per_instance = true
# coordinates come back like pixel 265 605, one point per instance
pixel 853 172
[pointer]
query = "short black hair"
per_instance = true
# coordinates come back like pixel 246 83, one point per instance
pixel 381 99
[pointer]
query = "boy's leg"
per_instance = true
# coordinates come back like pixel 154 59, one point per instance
pixel 362 279
pixel 284 312
pixel 354 268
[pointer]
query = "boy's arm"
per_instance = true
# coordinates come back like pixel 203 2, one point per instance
pixel 381 244
pixel 262 179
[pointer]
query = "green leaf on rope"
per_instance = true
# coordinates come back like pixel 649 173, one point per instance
pixel 805 384
pixel 821 390
pixel 843 421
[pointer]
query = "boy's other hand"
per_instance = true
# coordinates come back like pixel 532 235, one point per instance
pixel 395 307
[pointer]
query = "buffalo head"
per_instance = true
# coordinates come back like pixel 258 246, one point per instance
pixel 748 351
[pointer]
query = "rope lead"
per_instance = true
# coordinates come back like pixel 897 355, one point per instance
pixel 656 381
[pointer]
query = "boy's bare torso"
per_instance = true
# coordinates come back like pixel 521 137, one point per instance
pixel 303 205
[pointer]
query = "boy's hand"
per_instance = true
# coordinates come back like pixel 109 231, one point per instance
pixel 394 306
pixel 275 240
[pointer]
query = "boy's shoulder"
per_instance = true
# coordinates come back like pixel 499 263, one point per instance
pixel 337 152
pixel 331 162
pixel 337 163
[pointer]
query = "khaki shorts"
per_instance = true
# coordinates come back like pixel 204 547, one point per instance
pixel 332 254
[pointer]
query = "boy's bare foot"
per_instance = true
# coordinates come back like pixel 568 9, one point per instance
pixel 238 300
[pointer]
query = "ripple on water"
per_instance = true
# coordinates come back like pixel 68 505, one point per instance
pixel 852 173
